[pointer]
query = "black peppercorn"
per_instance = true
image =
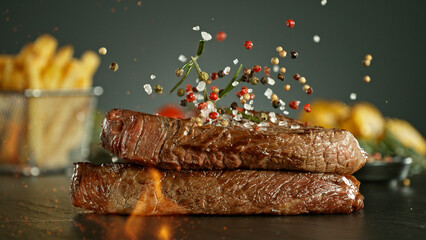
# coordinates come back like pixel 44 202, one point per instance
pixel 244 78
pixel 194 89
pixel 296 76
pixel 221 74
pixel 294 54
pixel 280 76
pixel 234 105
pixel 275 104
pixel 264 80
pixel 254 80
pixel 183 103
pixel 180 92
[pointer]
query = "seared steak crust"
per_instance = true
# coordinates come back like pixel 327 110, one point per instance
pixel 169 143
pixel 131 189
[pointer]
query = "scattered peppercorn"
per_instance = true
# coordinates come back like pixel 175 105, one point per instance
pixel 287 87
pixel 283 54
pixel 194 89
pixel 213 76
pixel 263 116
pixel 244 78
pixel 234 105
pixel 188 88
pixel 306 87
pixel 180 92
pixel 179 72
pixel 243 101
pixel 296 76
pixel 294 105
pixel 203 76
pixel 367 79
pixel 102 51
pixel 279 49
pixel 406 182
pixel 215 90
pixel 366 63
pixel 220 36
pixel 246 96
pixel 302 80
pixel 290 23
pixel 246 71
pixel 283 70
pixel 257 68
pixel 213 115
pixel 248 44
pixel 275 104
pixel 307 108
pixel 280 76
pixel 190 97
pixel 309 91
pixel 113 66
pixel 267 70
pixel 252 96
pixel 213 96
pixel 202 105
pixel 275 60
pixel 368 57
pixel 254 80
pixel 264 80
pixel 183 103
pixel 158 88
pixel 274 97
pixel 208 82
pixel 221 74
pixel 294 54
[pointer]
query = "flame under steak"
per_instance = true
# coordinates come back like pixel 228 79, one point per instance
pixel 174 144
pixel 131 189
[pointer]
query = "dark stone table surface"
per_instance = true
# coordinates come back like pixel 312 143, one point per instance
pixel 40 208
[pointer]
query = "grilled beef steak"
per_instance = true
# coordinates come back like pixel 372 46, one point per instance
pixel 174 144
pixel 131 189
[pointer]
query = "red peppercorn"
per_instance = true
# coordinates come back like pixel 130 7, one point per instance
pixel 202 105
pixel 252 96
pixel 194 89
pixel 239 94
pixel 256 68
pixel 190 97
pixel 213 115
pixel 290 23
pixel 220 36
pixel 296 76
pixel 213 76
pixel 244 90
pixel 239 109
pixel 212 88
pixel 188 88
pixel 309 91
pixel 294 105
pixel 307 108
pixel 248 44
pixel 213 96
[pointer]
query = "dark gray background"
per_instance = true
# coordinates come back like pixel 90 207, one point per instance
pixel 148 40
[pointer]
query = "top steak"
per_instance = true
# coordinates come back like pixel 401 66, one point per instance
pixel 169 143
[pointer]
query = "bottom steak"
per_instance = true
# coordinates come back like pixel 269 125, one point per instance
pixel 129 189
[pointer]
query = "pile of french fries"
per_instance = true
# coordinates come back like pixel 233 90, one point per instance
pixel 44 130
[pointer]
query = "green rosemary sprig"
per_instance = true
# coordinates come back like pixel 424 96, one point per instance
pixel 246 116
pixel 229 87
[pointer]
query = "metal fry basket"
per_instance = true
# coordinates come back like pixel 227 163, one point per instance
pixel 45 131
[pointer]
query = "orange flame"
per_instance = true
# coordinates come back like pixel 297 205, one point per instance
pixel 164 233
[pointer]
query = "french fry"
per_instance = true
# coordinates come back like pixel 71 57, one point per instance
pixel 7 72
pixel 53 73
pixel 90 64
pixel 73 71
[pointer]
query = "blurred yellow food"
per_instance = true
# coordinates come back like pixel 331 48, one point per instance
pixel 406 134
pixel 326 113
pixel 365 121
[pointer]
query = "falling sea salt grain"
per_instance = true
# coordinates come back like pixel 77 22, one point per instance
pixel 275 68
pixel 114 159
pixel 323 2
pixel 286 112
pixel 247 106
pixel 182 58
pixel 147 88
pixel 235 83
pixel 227 70
pixel 235 61
pixel 317 39
pixel 251 102
pixel 250 90
pixel 283 123
pixel 206 36
pixel 352 96
pixel 271 81
pixel 153 76
pixel 268 93
pixel 201 86
pixel 196 28
pixel 294 126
